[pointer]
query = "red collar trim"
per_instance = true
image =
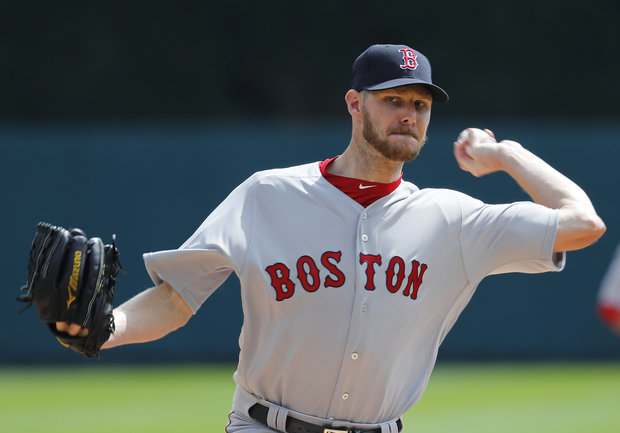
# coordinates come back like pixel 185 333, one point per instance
pixel 362 191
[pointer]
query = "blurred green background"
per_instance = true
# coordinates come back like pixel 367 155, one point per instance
pixel 469 398
pixel 137 118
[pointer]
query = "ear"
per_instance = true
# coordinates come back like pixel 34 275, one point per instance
pixel 353 99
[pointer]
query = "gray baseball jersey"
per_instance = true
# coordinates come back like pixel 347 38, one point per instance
pixel 344 306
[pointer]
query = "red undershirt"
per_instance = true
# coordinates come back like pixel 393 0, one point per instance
pixel 362 191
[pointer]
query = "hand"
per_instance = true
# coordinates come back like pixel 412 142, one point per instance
pixel 477 152
pixel 72 329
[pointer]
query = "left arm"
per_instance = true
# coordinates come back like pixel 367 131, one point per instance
pixel 478 152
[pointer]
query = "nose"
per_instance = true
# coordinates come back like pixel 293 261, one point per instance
pixel 409 115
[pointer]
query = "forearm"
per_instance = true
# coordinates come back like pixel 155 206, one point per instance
pixel 544 184
pixel 579 225
pixel 149 316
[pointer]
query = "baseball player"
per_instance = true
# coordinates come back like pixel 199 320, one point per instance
pixel 608 299
pixel 351 276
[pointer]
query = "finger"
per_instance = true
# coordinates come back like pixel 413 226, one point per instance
pixel 83 332
pixel 74 330
pixel 461 156
pixel 488 131
pixel 461 151
pixel 458 151
pixel 463 136
pixel 62 326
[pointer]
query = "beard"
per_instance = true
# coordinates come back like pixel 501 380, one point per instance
pixel 391 151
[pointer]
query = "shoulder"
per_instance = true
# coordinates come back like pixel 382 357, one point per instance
pixel 278 180
pixel 287 174
pixel 443 203
pixel 438 195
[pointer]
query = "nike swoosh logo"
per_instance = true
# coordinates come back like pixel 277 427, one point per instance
pixel 362 186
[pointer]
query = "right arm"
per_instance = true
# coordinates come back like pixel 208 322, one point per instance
pixel 148 316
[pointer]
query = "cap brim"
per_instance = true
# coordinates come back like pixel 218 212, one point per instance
pixel 438 93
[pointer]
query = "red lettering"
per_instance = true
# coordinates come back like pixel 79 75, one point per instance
pixel 371 261
pixel 280 281
pixel 415 279
pixel 313 272
pixel 309 274
pixel 394 286
pixel 331 267
pixel 410 59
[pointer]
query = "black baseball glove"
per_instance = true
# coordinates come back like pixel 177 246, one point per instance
pixel 71 279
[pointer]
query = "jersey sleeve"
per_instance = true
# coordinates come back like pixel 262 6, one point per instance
pixel 218 247
pixel 504 238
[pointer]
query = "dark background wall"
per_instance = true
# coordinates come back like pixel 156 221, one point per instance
pixel 229 59
pixel 138 118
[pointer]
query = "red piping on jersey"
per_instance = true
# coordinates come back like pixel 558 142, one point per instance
pixel 229 421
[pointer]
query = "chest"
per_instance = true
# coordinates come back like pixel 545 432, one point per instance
pixel 392 252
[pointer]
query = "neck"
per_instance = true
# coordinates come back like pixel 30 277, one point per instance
pixel 365 163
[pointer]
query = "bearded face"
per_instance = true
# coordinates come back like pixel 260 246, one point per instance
pixel 390 145
pixel 394 121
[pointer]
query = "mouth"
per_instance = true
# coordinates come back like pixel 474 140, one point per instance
pixel 406 131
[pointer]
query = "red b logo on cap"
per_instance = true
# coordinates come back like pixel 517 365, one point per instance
pixel 409 59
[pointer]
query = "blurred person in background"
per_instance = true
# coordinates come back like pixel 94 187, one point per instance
pixel 608 300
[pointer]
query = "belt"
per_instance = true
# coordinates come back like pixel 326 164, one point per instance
pixel 258 412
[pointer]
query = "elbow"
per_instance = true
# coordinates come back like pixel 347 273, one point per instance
pixel 597 228
pixel 592 230
pixel 578 231
pixel 183 317
pixel 602 228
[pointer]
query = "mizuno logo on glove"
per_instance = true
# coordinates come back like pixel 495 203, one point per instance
pixel 72 288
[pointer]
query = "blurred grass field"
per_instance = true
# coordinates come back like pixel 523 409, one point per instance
pixel 463 398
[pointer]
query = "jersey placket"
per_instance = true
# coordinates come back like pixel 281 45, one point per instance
pixel 349 375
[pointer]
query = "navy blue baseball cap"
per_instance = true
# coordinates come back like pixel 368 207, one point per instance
pixel 386 66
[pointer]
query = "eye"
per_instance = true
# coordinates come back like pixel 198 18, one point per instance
pixel 422 105
pixel 392 99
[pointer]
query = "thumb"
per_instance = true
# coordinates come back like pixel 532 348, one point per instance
pixel 488 131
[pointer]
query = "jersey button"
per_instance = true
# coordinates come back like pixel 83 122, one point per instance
pixel 364 215
pixel 354 356
pixel 364 307
pixel 365 237
pixel 345 396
